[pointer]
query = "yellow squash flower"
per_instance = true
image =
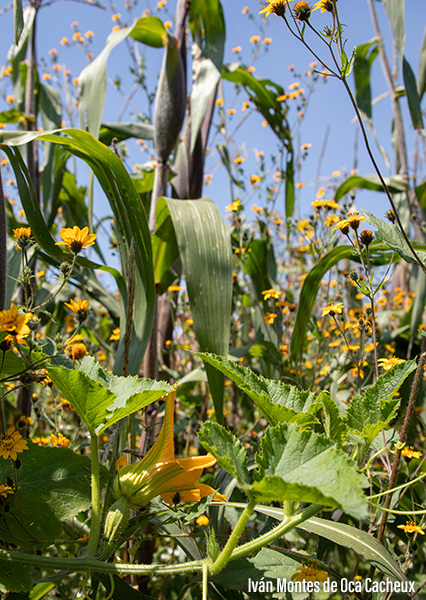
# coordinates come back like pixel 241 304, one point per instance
pixel 76 239
pixel 159 472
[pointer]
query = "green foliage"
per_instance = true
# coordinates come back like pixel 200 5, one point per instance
pixel 356 540
pixel 15 578
pixel 100 398
pixel 269 564
pixel 364 58
pixel 53 485
pixel 124 201
pixel 205 252
pixel 278 402
pixel 334 424
pixel 395 184
pixel 227 449
pixel 368 414
pixel 412 95
pixel 390 234
pixel 302 466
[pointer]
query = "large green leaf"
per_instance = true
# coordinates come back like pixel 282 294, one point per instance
pixel 53 485
pixel 364 58
pixel 368 414
pixel 279 402
pixel 412 95
pixel 205 251
pixel 303 466
pixel 15 578
pixel 101 398
pixel 395 184
pixel 354 539
pixel 390 234
pixel 92 81
pixel 267 565
pixel 129 218
pixel 228 450
pixel 395 12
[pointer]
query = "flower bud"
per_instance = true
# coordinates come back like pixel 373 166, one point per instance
pixel 366 237
pixel 302 10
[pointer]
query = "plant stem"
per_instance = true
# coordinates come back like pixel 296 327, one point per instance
pixel 270 536
pixel 89 564
pixel 205 578
pixel 224 557
pixel 403 436
pixel 96 497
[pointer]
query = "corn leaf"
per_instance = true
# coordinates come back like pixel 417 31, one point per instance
pixel 205 251
pixel 129 218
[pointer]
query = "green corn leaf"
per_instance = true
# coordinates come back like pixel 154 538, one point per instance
pixel 260 265
pixel 278 402
pixel 304 466
pixel 264 93
pixel 395 11
pixel 100 398
pixel 364 58
pixel 289 190
pixel 368 414
pixel 353 538
pixel 412 95
pixel 123 131
pixel 164 247
pixel 395 184
pixel 18 19
pixel 228 450
pixel 205 251
pixel 129 218
pixel 308 296
pixel 92 81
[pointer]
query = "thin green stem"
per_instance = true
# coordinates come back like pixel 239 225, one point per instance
pixel 224 557
pixel 399 487
pixel 270 536
pixel 96 498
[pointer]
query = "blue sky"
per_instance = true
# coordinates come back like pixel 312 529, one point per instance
pixel 329 108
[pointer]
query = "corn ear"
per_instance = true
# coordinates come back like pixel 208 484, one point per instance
pixel 170 102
